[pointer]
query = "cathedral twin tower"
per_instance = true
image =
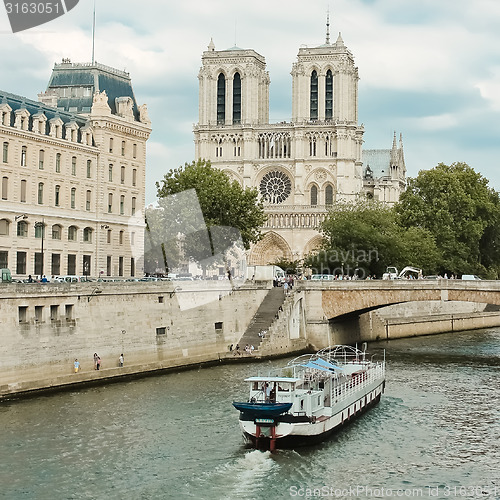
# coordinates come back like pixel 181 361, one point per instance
pixel 300 167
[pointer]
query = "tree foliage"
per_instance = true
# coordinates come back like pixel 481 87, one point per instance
pixel 364 238
pixel 228 210
pixel 455 204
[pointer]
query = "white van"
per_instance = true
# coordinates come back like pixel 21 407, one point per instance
pixel 71 279
pixel 470 277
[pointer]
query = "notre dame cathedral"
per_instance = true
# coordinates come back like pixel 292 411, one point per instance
pixel 300 167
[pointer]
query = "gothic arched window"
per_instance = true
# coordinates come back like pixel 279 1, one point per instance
pixel 314 195
pixel 221 99
pixel 329 95
pixel 314 96
pixel 329 195
pixel 237 98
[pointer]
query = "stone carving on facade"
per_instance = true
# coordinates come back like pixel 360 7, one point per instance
pixel 320 175
pixel 143 114
pixel 125 107
pixel 100 104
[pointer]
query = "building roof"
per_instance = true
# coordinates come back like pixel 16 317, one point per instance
pixel 76 83
pixel 379 161
pixel 19 102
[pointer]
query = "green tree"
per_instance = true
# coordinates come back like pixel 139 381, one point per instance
pixel 364 237
pixel 228 210
pixel 455 204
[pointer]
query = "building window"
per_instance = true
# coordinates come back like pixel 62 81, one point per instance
pixel 122 204
pixel 38 314
pixel 120 238
pixel 123 148
pixel 120 266
pixel 110 144
pixel 237 98
pixel 58 162
pixel 161 330
pixel 312 146
pixel 132 238
pixel 56 232
pixel 39 231
pixel 108 265
pixel 54 310
pixel 22 229
pixel 134 177
pixel 4 259
pixel 86 265
pixel 87 235
pixel 110 203
pixel 5 187
pixel 4 227
pixel 56 264
pixel 5 152
pixel 134 151
pixel 329 195
pixel 23 191
pixel 57 194
pixel 108 238
pixel 314 195
pixel 23 311
pixel 122 176
pixel 221 99
pixel 21 263
pixel 73 165
pixel 89 169
pixel 133 205
pixel 132 266
pixel 41 157
pixel 88 200
pixel 24 151
pixel 40 193
pixel 329 95
pixel 71 267
pixel 110 173
pixel 275 187
pixel 314 96
pixel 73 197
pixel 72 234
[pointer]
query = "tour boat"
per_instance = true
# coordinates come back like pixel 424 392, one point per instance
pixel 310 398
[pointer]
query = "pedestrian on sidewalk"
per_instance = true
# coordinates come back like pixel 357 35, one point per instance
pixel 76 365
pixel 121 360
pixel 95 360
pixel 98 364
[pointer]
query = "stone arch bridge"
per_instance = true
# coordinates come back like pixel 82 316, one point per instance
pixel 323 308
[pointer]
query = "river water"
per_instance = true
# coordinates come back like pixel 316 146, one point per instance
pixel 435 434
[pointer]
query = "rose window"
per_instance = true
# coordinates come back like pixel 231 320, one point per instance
pixel 275 187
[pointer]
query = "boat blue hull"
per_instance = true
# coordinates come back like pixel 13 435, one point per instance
pixel 263 410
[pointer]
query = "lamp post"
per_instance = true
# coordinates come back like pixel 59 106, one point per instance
pixel 41 224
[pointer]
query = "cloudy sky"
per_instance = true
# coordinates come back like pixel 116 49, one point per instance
pixel 428 68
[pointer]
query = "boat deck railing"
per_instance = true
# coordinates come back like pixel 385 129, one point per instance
pixel 357 382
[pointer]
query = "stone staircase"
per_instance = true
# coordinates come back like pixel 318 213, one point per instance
pixel 263 318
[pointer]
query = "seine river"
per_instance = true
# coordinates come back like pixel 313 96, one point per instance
pixel 435 434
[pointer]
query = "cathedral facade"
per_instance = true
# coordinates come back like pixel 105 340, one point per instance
pixel 302 167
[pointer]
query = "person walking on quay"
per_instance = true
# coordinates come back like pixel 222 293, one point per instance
pixel 121 360
pixel 98 363
pixel 76 365
pixel 95 361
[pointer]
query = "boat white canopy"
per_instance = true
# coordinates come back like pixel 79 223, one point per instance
pixel 273 379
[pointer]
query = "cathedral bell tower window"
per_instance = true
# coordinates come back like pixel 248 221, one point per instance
pixel 329 95
pixel 314 96
pixel 329 195
pixel 237 99
pixel 221 100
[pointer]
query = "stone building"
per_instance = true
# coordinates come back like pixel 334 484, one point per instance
pixel 300 167
pixel 73 175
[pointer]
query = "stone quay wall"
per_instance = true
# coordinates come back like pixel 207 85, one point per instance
pixel 157 326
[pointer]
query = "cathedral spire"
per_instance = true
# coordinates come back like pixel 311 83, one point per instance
pixel 328 27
